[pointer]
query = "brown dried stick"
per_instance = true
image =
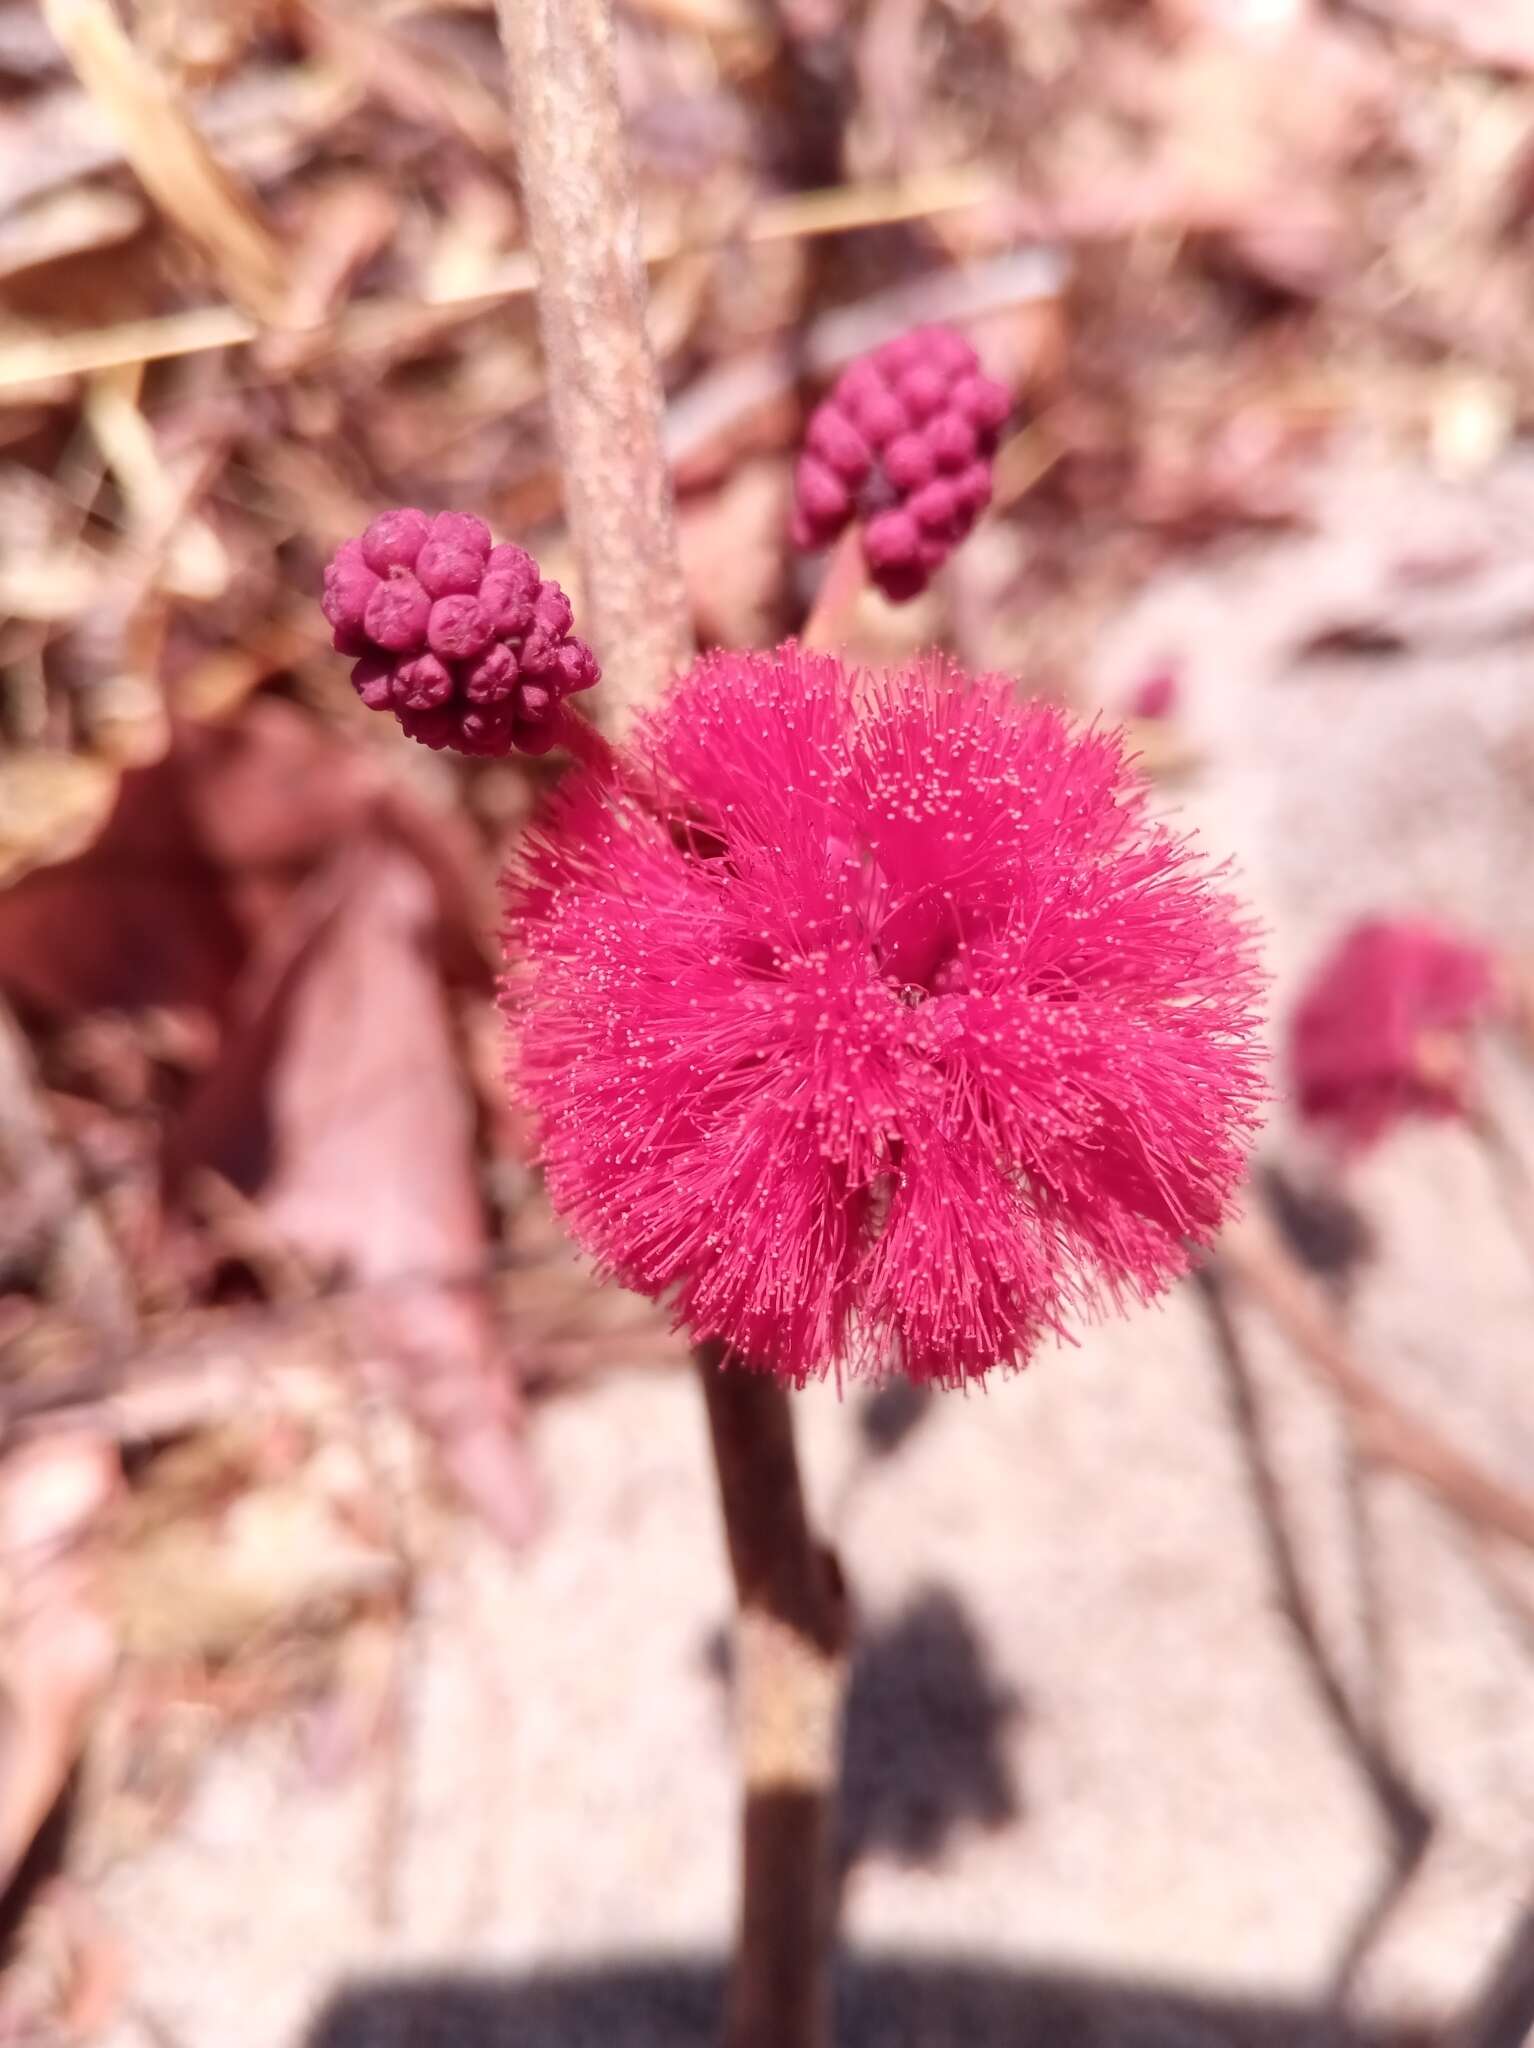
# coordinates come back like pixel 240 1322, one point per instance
pixel 607 418
pixel 173 162
pixel 603 386
pixel 1388 1432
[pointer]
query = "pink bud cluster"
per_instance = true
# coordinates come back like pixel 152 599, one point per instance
pixel 462 640
pixel 903 442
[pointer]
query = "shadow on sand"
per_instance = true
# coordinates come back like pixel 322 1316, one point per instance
pixel 883 2003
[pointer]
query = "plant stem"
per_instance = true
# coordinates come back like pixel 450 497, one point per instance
pixel 607 411
pixel 1388 1431
pixel 840 587
pixel 603 386
pixel 790 1681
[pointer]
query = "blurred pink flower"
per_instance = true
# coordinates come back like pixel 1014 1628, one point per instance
pixel 1155 695
pixel 890 1028
pixel 1381 1031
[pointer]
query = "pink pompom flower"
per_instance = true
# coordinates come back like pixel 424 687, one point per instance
pixel 874 1022
pixel 1382 1030
pixel 463 641
pixel 903 442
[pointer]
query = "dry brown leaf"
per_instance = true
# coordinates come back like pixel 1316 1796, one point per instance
pixel 56 1648
pixel 173 162
pixel 342 1107
pixel 51 806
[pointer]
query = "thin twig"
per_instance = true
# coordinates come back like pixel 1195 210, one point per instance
pixel 1254 1255
pixel 843 583
pixel 380 323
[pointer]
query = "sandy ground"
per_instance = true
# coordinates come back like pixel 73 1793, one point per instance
pixel 1097 1797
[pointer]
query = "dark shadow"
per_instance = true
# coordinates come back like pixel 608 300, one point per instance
pixel 890 1414
pixel 926 1734
pixel 927 1726
pixel 882 2003
pixel 1325 1229
pixel 1407 1818
pixel 1503 2014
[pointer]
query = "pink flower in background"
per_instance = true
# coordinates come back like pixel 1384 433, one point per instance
pixel 904 442
pixel 1156 694
pixel 889 1029
pixel 463 641
pixel 1382 1029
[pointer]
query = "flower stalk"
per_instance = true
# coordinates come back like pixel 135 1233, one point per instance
pixel 790 1685
pixel 607 408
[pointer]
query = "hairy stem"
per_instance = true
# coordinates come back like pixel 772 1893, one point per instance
pixel 790 1682
pixel 607 410
pixel 603 386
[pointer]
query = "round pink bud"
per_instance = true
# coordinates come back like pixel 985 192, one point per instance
pixel 891 539
pixel 893 550
pixel 488 730
pixel 459 628
pixel 435 729
pixel 397 613
pixel 422 683
pixel 395 539
pixel 510 589
pixel 903 353
pixel 949 353
pixel 536 729
pixel 952 440
pixel 447 569
pixel 859 381
pixel 972 488
pixel 462 530
pixel 909 462
pixel 820 492
pixel 372 678
pixel 576 666
pixel 921 391
pixel 552 612
pixel 879 415
pixel 840 446
pixel 983 402
pixel 493 677
pixel 349 583
pixel 935 509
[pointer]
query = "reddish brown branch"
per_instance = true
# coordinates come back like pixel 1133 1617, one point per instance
pixel 1388 1431
pixel 789 1686
pixel 607 419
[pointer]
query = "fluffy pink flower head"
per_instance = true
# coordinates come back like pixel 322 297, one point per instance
pixel 888 1028
pixel 1382 1030
pixel 463 641
pixel 903 442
